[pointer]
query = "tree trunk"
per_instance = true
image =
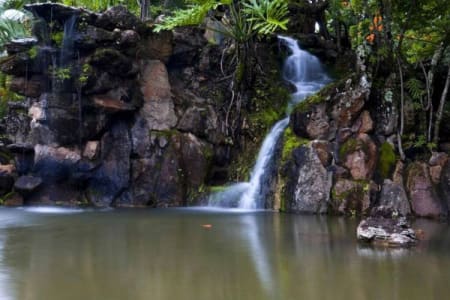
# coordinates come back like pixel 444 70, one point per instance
pixel 440 110
pixel 145 9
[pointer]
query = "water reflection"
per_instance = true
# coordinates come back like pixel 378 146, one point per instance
pixel 168 254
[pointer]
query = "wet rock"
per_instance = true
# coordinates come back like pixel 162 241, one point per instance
pixel 7 175
pixel 359 156
pixel 437 162
pixel 128 38
pixel 27 87
pixel 17 64
pixel 386 232
pixel 20 45
pixel 312 123
pixel 351 197
pixel 308 183
pixel 393 196
pixel 118 17
pixel 196 157
pixel 158 107
pixel 94 37
pixel 112 105
pixel 54 164
pixel 56 11
pixel 14 199
pixel 423 196
pixel 113 175
pixel 444 184
pixel 91 150
pixel 27 184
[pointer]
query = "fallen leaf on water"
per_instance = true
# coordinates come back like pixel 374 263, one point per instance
pixel 206 225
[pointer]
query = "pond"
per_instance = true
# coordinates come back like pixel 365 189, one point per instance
pixel 204 254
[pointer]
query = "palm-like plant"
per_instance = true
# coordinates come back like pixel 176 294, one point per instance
pixel 267 15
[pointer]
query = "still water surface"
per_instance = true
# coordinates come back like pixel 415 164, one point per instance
pixel 171 255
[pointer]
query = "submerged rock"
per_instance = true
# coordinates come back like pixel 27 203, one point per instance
pixel 386 232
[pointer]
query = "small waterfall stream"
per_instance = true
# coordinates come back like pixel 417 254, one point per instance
pixel 306 73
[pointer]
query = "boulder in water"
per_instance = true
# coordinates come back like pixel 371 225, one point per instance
pixel 27 184
pixel 386 232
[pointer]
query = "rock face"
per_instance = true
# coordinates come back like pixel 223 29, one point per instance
pixel 386 232
pixel 309 183
pixel 102 124
pixel 424 199
pixel 393 196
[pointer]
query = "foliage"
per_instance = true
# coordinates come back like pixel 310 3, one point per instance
pixel 267 16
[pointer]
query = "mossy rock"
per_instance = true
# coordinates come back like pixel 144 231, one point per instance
pixel 386 161
pixel 291 142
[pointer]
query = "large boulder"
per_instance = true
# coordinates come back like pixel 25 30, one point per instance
pixel 158 107
pixel 118 17
pixel 386 232
pixel 308 183
pixel 424 199
pixel 54 164
pixel 113 176
pixel 312 123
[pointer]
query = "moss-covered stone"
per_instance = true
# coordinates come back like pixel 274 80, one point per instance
pixel 290 142
pixel 57 38
pixel 351 145
pixel 386 161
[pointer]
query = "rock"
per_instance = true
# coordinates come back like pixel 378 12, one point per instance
pixel 112 105
pixel 348 106
pixel 56 11
pixel 311 123
pixel 186 44
pixel 94 37
pixel 359 156
pixel 323 150
pixel 140 138
pixel 29 88
pixel 16 64
pixel 444 183
pixel 196 157
pixel 91 150
pixel 423 197
pixel 14 200
pixel 112 61
pixel 393 196
pixel 363 124
pixel 128 38
pixel 386 232
pixel 158 107
pixel 351 197
pixel 27 184
pixel 308 183
pixel 156 46
pixel 20 45
pixel 201 121
pixel 54 164
pixel 7 174
pixel 118 17
pixel 21 148
pixel 437 163
pixel 113 175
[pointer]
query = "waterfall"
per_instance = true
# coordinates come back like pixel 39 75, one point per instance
pixel 306 73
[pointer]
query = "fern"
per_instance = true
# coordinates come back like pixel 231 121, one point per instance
pixel 193 15
pixel 267 15
pixel 415 88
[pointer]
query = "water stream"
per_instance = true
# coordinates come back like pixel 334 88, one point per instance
pixel 305 72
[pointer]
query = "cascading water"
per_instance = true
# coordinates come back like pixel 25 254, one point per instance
pixel 305 72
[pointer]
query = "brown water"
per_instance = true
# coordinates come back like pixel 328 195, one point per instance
pixel 169 255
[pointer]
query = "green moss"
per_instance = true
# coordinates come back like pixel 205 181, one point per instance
pixel 349 146
pixel 305 105
pixel 291 142
pixel 387 160
pixel 33 52
pixel 58 37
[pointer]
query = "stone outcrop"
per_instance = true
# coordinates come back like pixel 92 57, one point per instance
pixel 386 232
pixel 103 124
